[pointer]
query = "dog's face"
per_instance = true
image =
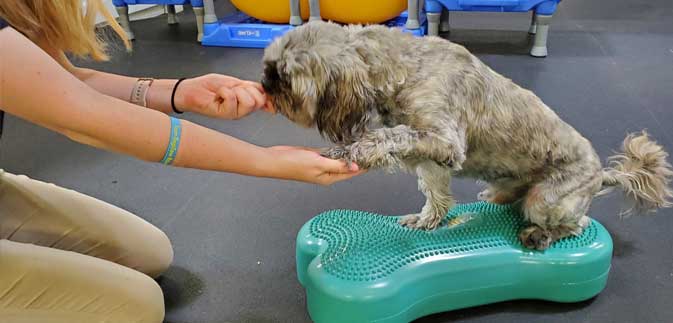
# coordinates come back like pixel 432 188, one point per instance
pixel 296 99
pixel 314 78
pixel 297 69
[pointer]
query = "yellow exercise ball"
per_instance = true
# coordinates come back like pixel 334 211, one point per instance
pixel 344 11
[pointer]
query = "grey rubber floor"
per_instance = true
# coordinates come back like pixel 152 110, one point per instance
pixel 609 72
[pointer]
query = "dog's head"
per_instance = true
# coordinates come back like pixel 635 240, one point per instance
pixel 315 76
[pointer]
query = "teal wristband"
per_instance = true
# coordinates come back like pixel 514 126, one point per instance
pixel 173 142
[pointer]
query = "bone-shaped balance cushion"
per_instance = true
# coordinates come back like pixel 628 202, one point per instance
pixel 363 267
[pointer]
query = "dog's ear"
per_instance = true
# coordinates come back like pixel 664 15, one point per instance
pixel 306 73
pixel 311 67
pixel 347 97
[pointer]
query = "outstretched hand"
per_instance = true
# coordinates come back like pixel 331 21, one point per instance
pixel 307 165
pixel 220 96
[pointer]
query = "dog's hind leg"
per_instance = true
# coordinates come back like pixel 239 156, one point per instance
pixel 435 183
pixel 504 191
pixel 557 210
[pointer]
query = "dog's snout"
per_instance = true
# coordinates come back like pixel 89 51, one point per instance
pixel 265 84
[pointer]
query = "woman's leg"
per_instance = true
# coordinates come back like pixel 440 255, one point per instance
pixel 47 215
pixel 45 285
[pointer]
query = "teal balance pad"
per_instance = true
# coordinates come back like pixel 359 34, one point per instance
pixel 364 267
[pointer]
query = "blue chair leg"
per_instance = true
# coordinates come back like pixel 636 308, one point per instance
pixel 209 16
pixel 433 23
pixel 295 13
pixel 540 44
pixel 314 8
pixel 170 14
pixel 533 26
pixel 412 15
pixel 199 12
pixel 123 12
pixel 444 21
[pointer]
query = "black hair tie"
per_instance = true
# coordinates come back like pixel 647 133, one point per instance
pixel 175 88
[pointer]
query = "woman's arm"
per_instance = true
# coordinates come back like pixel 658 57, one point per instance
pixel 120 87
pixel 212 95
pixel 33 86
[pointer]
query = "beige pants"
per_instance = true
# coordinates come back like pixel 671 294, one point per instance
pixel 67 257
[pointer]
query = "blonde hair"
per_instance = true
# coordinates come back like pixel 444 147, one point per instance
pixel 64 26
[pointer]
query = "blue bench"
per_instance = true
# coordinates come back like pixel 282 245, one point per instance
pixel 197 5
pixel 240 30
pixel 542 11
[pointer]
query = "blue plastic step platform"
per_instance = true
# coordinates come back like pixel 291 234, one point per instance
pixel 544 7
pixel 241 30
pixel 361 267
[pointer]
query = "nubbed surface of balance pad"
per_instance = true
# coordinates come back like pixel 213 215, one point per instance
pixel 363 267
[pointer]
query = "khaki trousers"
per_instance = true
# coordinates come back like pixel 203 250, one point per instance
pixel 67 257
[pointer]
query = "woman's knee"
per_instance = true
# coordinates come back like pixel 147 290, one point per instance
pixel 145 248
pixel 100 290
pixel 151 302
pixel 160 250
pixel 73 221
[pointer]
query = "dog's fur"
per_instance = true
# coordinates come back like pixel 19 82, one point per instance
pixel 392 100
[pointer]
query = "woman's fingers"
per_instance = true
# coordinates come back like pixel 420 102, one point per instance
pixel 286 148
pixel 245 102
pixel 229 101
pixel 309 166
pixel 326 165
pixel 257 95
pixel 255 85
pixel 338 166
pixel 328 179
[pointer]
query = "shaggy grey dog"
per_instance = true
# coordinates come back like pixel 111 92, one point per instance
pixel 391 100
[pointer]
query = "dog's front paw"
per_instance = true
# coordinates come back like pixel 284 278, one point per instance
pixel 337 152
pixel 354 153
pixel 420 221
pixel 535 237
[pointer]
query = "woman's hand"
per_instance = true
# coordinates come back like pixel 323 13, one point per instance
pixel 219 96
pixel 306 165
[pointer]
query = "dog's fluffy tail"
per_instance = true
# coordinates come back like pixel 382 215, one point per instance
pixel 642 172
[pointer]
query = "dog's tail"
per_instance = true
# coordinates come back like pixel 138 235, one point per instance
pixel 642 172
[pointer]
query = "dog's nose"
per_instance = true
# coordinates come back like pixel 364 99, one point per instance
pixel 265 84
